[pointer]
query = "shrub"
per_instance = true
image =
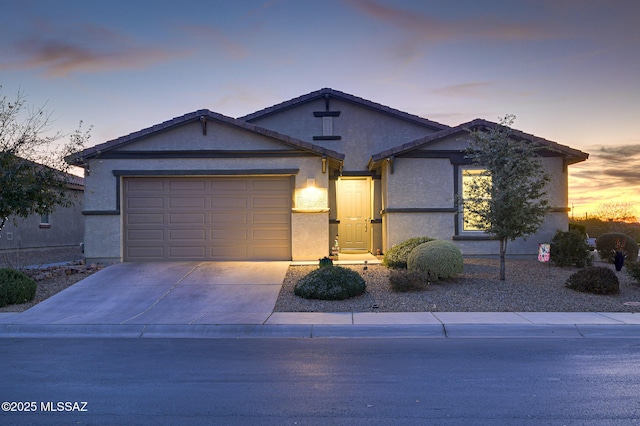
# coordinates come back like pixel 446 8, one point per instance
pixel 402 280
pixel 396 256
pixel 607 244
pixel 330 283
pixel 325 261
pixel 439 259
pixel 633 269
pixel 15 287
pixel 570 249
pixel 594 279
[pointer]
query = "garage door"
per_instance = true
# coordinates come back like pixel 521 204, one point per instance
pixel 206 218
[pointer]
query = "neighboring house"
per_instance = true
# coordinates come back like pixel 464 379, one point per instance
pixel 62 228
pixel 283 182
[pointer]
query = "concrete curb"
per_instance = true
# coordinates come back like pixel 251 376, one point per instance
pixel 321 331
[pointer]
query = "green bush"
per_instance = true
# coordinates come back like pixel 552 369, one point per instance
pixel 330 283
pixel 15 287
pixel 633 269
pixel 570 249
pixel 396 256
pixel 607 244
pixel 594 279
pixel 402 281
pixel 438 259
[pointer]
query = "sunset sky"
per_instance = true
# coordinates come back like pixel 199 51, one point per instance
pixel 568 69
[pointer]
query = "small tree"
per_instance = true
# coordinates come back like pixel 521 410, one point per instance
pixel 507 199
pixel 33 174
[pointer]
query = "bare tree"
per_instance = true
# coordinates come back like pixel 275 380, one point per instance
pixel 34 177
pixel 616 212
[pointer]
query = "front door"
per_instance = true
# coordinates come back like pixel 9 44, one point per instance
pixel 354 214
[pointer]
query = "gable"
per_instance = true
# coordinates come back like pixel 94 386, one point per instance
pixel 202 134
pixel 342 122
pixel 453 141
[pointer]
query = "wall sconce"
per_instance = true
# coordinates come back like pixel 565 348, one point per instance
pixel 311 183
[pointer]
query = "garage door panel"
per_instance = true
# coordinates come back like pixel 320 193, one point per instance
pixel 145 218
pixel 187 234
pixel 227 218
pixel 177 252
pixel 229 202
pixel 190 218
pixel 229 235
pixel 145 235
pixel 192 184
pixel 211 218
pixel 145 203
pixel 271 234
pixel 271 218
pixel 271 185
pixel 187 202
pixel 146 252
pixel 270 202
pixel 144 185
pixel 228 185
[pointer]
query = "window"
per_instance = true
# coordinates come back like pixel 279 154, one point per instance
pixel 44 221
pixel 476 191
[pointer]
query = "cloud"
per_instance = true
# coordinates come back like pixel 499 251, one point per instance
pixel 474 89
pixel 85 48
pixel 611 174
pixel 433 29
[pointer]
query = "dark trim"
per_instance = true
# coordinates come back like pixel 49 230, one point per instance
pixel 327 138
pixel 473 238
pixel 100 212
pixel 334 221
pixel 347 173
pixel 419 210
pixel 205 153
pixel 206 172
pixel 374 221
pixel 455 157
pixel 326 113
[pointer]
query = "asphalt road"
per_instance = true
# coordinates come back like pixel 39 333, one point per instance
pixel 320 382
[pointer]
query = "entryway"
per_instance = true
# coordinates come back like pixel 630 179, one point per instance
pixel 354 214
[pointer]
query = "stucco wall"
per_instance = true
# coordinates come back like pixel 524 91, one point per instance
pixel 428 183
pixel 103 227
pixel 363 131
pixel 66 228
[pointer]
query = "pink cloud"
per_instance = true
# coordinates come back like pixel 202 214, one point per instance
pixel 432 29
pixel 60 52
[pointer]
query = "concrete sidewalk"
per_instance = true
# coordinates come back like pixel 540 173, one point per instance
pixel 362 325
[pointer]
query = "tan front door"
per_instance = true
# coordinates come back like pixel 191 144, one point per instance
pixel 354 214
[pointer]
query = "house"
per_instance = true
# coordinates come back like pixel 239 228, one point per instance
pixel 288 182
pixel 61 229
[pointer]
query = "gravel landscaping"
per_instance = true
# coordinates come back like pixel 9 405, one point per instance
pixel 530 286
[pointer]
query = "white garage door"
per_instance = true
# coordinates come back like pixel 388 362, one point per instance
pixel 207 218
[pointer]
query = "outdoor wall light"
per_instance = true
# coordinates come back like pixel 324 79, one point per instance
pixel 311 183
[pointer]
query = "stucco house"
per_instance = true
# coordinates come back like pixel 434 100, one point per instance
pixel 286 182
pixel 61 229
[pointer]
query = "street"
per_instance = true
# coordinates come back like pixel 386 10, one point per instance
pixel 320 381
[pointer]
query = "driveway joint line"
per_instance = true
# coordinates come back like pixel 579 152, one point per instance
pixel 164 295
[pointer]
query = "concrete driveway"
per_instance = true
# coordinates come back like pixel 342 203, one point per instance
pixel 166 293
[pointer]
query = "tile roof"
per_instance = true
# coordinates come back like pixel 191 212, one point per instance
pixel 88 153
pixel 571 155
pixel 346 97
